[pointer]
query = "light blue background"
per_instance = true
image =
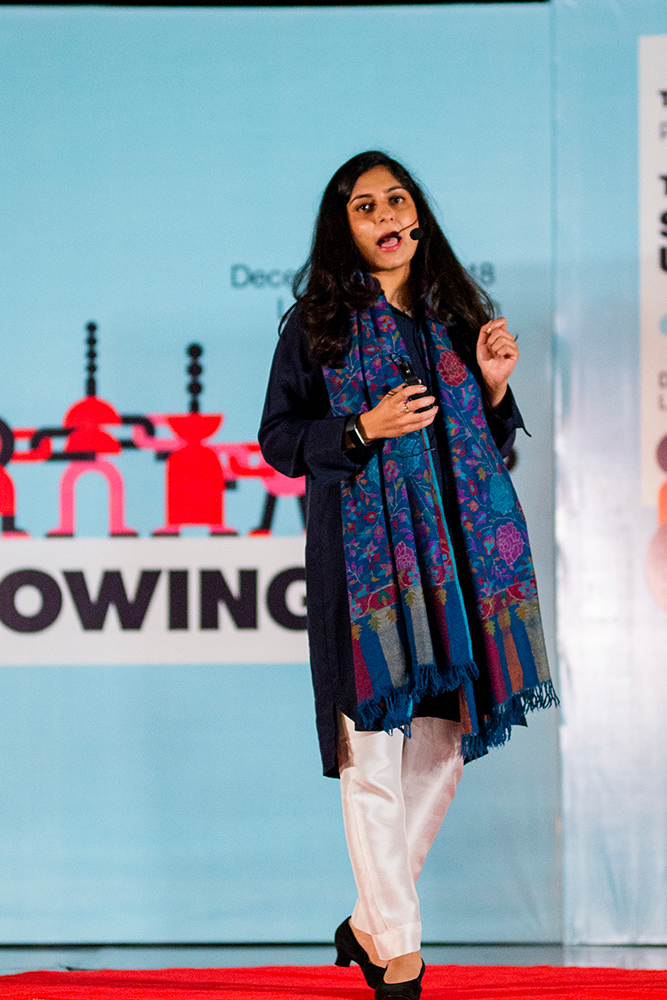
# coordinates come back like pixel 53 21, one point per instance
pixel 143 153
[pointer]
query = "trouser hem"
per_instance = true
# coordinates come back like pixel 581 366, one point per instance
pixel 398 941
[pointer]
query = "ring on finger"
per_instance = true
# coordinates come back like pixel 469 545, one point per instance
pixel 405 407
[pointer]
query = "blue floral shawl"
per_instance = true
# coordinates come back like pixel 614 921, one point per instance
pixel 410 626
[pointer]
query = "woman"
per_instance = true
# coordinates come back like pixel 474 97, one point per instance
pixel 389 392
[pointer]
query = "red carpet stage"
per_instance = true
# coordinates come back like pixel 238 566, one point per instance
pixel 442 982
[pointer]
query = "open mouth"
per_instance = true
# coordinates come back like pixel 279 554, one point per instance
pixel 389 241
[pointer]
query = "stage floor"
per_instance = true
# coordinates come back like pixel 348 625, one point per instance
pixel 442 982
pixel 27 959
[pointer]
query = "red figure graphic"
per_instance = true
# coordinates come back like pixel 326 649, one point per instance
pixel 9 453
pixel 276 484
pixel 7 489
pixel 83 428
pixel 195 481
pixel 656 557
pixel 198 473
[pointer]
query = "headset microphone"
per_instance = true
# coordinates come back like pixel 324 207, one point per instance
pixel 415 234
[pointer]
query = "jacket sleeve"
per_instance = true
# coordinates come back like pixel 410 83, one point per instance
pixel 298 434
pixel 503 421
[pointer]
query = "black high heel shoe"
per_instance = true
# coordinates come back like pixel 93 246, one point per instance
pixel 411 990
pixel 349 950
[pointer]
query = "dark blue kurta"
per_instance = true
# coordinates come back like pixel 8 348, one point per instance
pixel 299 436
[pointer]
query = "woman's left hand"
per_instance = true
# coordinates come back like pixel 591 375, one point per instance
pixel 497 355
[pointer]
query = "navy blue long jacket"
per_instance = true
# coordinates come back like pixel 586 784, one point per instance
pixel 299 436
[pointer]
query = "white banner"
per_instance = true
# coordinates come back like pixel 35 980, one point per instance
pixel 152 600
pixel 610 106
pixel 653 261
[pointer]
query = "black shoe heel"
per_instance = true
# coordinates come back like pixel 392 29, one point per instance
pixel 410 990
pixel 349 950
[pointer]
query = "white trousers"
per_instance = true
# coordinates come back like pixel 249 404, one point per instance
pixel 395 794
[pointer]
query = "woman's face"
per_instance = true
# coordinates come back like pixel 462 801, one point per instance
pixel 381 214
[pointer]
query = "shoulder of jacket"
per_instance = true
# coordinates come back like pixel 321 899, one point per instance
pixel 292 322
pixel 293 338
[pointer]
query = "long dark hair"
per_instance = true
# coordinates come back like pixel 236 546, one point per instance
pixel 327 287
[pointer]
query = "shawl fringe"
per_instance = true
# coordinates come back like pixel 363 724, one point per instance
pixel 496 730
pixel 397 708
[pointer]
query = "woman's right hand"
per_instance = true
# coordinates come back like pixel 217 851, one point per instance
pixel 395 414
